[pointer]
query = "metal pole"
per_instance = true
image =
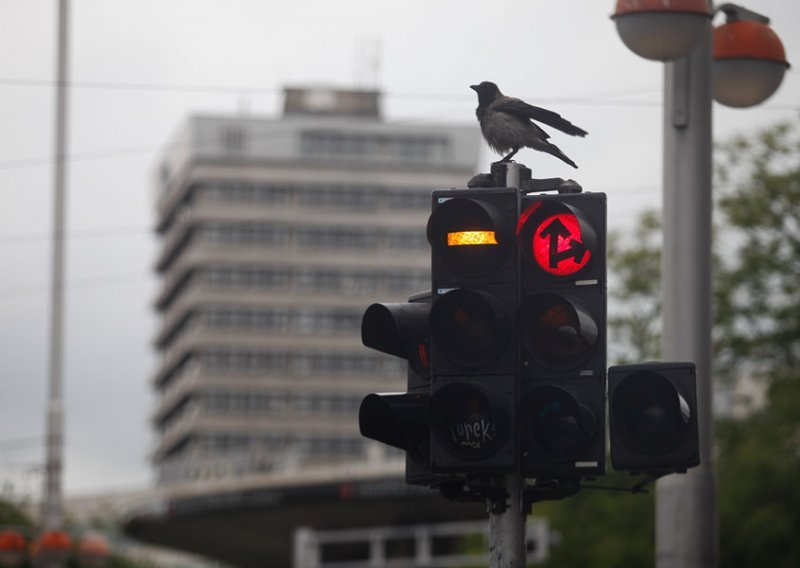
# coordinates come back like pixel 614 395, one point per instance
pixel 507 546
pixel 51 502
pixel 686 509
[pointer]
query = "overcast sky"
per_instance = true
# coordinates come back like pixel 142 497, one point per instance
pixel 140 67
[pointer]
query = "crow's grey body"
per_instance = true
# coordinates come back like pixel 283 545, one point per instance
pixel 507 124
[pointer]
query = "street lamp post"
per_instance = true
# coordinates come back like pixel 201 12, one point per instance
pixel 686 505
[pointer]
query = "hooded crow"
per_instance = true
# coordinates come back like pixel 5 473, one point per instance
pixel 507 124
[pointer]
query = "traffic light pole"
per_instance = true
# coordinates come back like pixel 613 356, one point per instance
pixel 507 547
pixel 507 513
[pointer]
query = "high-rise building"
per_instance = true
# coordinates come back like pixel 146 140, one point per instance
pixel 276 234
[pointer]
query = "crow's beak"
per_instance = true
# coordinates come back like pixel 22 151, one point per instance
pixel 474 88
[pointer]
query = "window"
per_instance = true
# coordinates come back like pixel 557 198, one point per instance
pixel 233 139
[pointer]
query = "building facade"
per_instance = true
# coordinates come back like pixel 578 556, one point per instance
pixel 276 234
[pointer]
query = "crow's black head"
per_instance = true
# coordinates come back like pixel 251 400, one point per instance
pixel 487 92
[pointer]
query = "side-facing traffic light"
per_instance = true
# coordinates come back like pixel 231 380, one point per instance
pixel 653 417
pixel 561 326
pixel 400 420
pixel 474 266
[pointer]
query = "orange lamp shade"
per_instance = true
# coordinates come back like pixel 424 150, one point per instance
pixel 53 541
pixel 748 39
pixel 675 6
pixel 12 541
pixel 662 30
pixel 749 63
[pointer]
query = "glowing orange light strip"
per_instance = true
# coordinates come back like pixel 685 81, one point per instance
pixel 462 238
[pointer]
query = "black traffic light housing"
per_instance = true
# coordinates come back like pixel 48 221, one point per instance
pixel 653 417
pixel 400 420
pixel 561 327
pixel 474 268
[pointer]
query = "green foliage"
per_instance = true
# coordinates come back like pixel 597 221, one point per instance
pixel 11 515
pixel 758 289
pixel 635 265
pixel 602 529
pixel 759 497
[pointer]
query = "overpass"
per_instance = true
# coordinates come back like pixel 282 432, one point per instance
pixel 249 522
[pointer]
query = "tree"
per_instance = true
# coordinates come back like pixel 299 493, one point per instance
pixel 602 529
pixel 11 515
pixel 758 335
pixel 758 313
pixel 635 290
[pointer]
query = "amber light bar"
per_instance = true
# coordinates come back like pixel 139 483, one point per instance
pixel 462 238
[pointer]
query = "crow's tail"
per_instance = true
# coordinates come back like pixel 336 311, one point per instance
pixel 554 150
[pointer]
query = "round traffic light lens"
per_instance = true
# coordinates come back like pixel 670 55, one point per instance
pixel 556 239
pixel 556 331
pixel 559 425
pixel 466 420
pixel 652 413
pixel 468 327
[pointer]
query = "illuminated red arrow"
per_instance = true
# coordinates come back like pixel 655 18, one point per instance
pixel 576 249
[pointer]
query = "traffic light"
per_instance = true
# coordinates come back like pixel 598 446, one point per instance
pixel 653 417
pixel 400 419
pixel 474 266
pixel 561 327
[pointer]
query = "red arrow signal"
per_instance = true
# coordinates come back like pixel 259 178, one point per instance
pixel 558 247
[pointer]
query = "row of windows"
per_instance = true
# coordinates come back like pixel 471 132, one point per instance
pixel 310 237
pixel 340 281
pixel 340 144
pixel 278 402
pixel 299 320
pixel 321 445
pixel 316 279
pixel 300 364
pixel 294 364
pixel 219 456
pixel 264 404
pixel 328 196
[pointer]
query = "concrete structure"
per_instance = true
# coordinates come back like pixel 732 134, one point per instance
pixel 250 522
pixel 277 233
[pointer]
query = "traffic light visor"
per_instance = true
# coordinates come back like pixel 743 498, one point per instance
pixel 401 330
pixel 396 419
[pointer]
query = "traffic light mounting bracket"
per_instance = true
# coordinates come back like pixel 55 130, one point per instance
pixel 498 178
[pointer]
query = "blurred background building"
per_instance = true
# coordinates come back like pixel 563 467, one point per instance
pixel 276 234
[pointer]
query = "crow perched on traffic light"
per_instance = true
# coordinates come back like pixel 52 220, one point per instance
pixel 507 124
